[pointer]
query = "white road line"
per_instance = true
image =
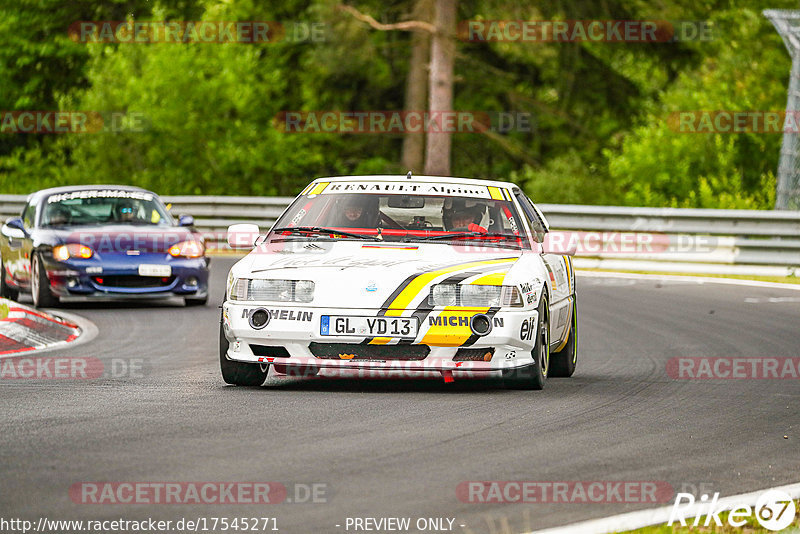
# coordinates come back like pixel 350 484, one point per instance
pixel 655 516
pixel 687 279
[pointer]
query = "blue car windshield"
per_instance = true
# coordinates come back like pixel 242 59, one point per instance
pixel 86 208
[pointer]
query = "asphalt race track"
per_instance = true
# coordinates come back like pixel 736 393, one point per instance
pixel 400 448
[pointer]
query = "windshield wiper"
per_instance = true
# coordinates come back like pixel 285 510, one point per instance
pixel 456 235
pixel 326 231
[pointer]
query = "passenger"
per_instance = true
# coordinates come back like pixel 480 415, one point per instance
pixel 58 216
pixel 360 212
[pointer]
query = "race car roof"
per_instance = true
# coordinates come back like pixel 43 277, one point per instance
pixel 419 179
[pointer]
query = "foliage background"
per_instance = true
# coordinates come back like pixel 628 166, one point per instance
pixel 600 109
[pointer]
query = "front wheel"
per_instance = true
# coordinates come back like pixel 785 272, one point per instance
pixel 563 362
pixel 195 301
pixel 6 291
pixel 534 375
pixel 239 373
pixel 40 285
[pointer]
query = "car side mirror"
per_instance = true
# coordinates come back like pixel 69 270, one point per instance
pixel 561 243
pixel 14 228
pixel 242 236
pixel 185 220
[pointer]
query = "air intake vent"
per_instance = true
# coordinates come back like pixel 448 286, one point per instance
pixel 352 351
pixel 266 350
pixel 474 355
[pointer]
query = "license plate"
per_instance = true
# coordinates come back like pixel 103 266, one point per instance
pixel 344 325
pixel 155 270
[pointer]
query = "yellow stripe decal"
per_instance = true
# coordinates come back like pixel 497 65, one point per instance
pixel 320 187
pixel 569 274
pixel 566 334
pixel 495 193
pixel 491 279
pixel 308 187
pixel 402 301
pixel 444 334
pixel 506 194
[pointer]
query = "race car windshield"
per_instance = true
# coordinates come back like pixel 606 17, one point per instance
pixel 86 208
pixel 408 218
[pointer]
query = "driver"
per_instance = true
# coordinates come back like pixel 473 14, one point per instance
pixel 458 216
pixel 359 211
pixel 126 211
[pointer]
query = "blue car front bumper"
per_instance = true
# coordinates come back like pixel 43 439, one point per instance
pixel 119 275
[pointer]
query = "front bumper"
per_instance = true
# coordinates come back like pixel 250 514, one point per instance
pixel 444 340
pixel 117 276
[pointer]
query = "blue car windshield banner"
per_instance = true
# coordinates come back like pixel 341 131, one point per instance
pixel 100 193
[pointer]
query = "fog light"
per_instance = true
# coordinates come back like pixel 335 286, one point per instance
pixel 72 282
pixel 480 324
pixel 191 281
pixel 259 318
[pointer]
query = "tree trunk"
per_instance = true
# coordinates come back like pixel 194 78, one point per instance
pixel 417 88
pixel 443 51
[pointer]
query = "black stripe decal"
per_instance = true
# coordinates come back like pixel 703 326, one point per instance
pixel 422 313
pixel 474 337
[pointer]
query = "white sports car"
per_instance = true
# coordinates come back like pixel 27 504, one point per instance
pixel 402 276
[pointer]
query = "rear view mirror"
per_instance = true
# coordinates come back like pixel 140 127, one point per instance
pixel 406 202
pixel 242 236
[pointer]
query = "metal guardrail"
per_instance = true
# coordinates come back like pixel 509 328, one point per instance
pixel 685 235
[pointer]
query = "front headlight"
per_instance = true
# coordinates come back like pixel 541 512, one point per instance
pixel 480 296
pixel 187 249
pixel 272 290
pixel 74 250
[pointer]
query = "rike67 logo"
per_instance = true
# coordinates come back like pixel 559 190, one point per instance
pixel 774 510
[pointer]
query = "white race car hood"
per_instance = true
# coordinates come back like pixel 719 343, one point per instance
pixel 374 275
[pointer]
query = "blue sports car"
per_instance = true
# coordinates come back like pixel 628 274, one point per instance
pixel 103 241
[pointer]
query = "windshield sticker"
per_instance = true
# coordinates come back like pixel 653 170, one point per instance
pixel 406 189
pixel 100 193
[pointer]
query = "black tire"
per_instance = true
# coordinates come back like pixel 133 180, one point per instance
pixel 195 301
pixel 6 291
pixel 239 373
pixel 563 362
pixel 40 285
pixel 533 376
